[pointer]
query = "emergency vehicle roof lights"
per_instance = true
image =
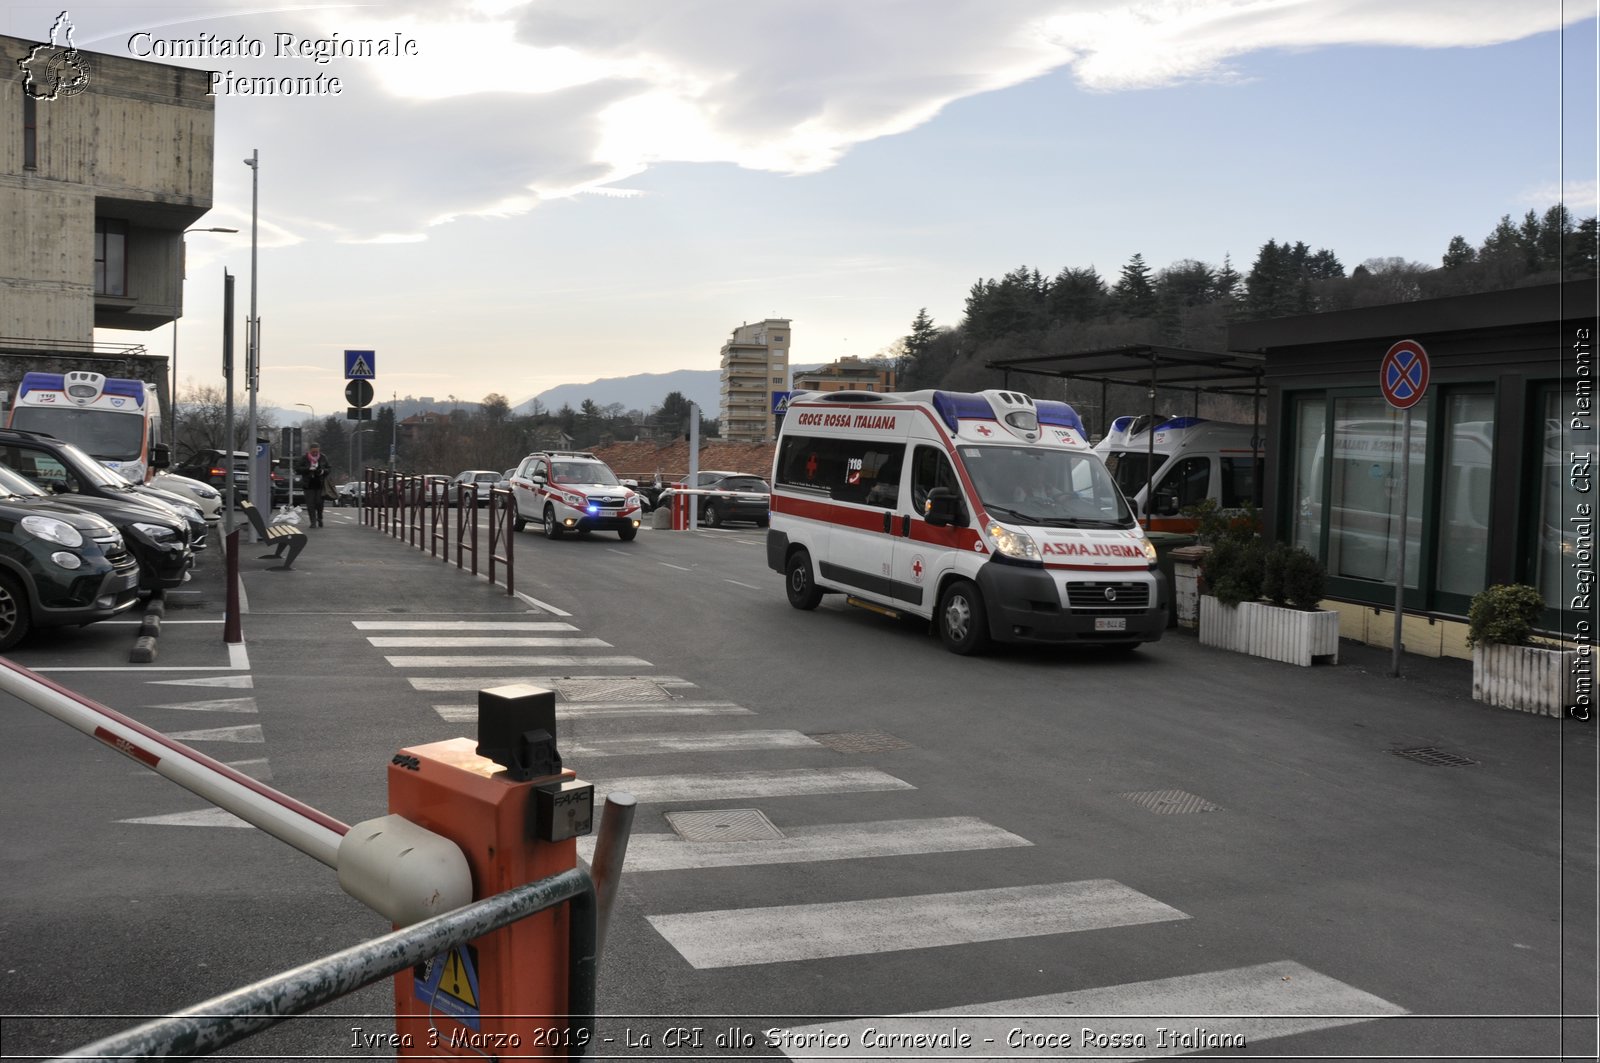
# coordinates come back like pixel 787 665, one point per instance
pixel 953 406
pixel 849 396
pixel 1059 414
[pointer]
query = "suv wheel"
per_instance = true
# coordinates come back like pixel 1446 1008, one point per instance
pixel 552 530
pixel 627 535
pixel 16 617
pixel 711 518
pixel 518 521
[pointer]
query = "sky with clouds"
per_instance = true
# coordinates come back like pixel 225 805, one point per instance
pixel 555 191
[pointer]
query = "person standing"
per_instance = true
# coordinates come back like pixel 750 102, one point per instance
pixel 314 471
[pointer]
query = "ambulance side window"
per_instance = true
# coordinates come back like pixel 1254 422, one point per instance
pixel 1190 480
pixel 929 469
pixel 1238 482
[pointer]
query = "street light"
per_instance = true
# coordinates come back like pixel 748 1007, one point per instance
pixel 307 405
pixel 177 292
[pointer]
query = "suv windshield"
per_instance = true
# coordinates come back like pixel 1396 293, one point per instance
pixel 1040 486
pixel 583 472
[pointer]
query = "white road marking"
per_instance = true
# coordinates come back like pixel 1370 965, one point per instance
pixel 848 841
pixel 1170 1016
pixel 479 642
pixel 517 662
pixel 695 742
pixel 206 817
pixel 243 681
pixel 738 937
pixel 461 625
pixel 680 568
pixel 736 583
pixel 250 732
pixel 719 786
pixel 217 705
pixel 478 682
pixel 573 710
pixel 542 606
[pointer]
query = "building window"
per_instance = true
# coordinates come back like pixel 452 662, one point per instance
pixel 1366 507
pixel 1556 537
pixel 110 257
pixel 30 132
pixel 1463 521
pixel 1310 416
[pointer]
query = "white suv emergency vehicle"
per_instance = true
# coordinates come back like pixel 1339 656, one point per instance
pixel 572 490
pixel 987 513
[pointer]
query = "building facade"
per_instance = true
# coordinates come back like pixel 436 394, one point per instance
pixel 1499 449
pixel 755 363
pixel 848 374
pixel 100 173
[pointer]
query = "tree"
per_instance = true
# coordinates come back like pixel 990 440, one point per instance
pixel 1228 282
pixel 917 347
pixel 1580 258
pixel 1459 253
pixel 1133 293
pixel 1075 295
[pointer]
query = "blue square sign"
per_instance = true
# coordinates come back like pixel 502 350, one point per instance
pixel 360 365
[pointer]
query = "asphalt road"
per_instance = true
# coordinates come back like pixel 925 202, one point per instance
pixel 1182 837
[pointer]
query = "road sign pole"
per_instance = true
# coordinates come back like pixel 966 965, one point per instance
pixel 1405 520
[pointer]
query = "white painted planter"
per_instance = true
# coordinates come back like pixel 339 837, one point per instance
pixel 1278 633
pixel 1528 678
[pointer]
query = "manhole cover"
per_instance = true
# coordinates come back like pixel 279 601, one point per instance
pixel 610 690
pixel 861 741
pixel 726 825
pixel 1171 802
pixel 1436 757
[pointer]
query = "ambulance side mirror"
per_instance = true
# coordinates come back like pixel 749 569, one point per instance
pixel 945 508
pixel 160 456
pixel 1166 504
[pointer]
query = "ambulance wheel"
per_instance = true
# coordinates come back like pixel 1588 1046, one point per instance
pixel 16 617
pixel 803 590
pixel 963 622
pixel 552 530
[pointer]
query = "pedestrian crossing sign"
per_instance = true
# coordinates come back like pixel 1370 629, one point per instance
pixel 360 365
pixel 449 985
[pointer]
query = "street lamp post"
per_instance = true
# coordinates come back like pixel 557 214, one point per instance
pixel 307 405
pixel 177 311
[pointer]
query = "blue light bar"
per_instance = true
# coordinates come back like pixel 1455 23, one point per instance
pixel 954 406
pixel 1059 414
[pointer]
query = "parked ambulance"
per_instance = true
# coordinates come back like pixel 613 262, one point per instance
pixel 1194 459
pixel 987 513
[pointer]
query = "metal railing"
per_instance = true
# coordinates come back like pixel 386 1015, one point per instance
pixel 416 510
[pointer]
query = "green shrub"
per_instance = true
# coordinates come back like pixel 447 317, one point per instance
pixel 1234 568
pixel 1292 576
pixel 1505 612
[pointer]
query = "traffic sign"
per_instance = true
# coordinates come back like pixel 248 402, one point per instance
pixel 780 402
pixel 358 392
pixel 360 365
pixel 1403 375
pixel 358 413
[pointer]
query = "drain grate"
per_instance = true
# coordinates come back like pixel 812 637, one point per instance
pixel 1436 757
pixel 861 741
pixel 724 825
pixel 1171 802
pixel 609 690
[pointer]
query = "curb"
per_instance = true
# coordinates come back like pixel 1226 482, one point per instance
pixel 144 647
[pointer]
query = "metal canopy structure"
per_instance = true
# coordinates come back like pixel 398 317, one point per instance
pixel 1151 366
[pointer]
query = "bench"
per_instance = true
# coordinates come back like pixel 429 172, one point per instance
pixel 285 536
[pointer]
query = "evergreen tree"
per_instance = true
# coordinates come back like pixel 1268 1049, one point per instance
pixel 1502 242
pixel 1555 229
pixel 1228 282
pixel 917 347
pixel 1267 292
pixel 1133 294
pixel 1580 257
pixel 1075 295
pixel 1528 242
pixel 1459 253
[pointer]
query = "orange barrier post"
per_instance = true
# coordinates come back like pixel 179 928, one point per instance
pixel 517 815
pixel 680 507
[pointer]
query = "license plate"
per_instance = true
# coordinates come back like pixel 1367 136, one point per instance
pixel 1111 623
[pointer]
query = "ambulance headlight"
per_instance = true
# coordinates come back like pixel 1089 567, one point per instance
pixel 1149 550
pixel 1018 546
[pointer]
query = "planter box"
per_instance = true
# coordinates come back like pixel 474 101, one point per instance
pixel 1528 678
pixel 1275 632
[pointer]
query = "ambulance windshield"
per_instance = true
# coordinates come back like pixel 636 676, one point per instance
pixel 1130 468
pixel 1050 487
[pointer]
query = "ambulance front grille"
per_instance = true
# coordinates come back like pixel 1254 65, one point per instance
pixel 1125 597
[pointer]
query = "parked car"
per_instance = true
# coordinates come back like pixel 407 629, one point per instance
pixel 725 497
pixel 154 536
pixel 350 493
pixel 59 565
pixel 205 498
pixel 566 490
pixel 482 481
pixel 211 467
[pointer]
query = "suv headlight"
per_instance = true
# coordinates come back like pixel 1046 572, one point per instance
pixel 52 530
pixel 1016 545
pixel 158 532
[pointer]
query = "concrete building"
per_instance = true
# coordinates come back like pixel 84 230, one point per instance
pixel 104 161
pixel 755 363
pixel 848 374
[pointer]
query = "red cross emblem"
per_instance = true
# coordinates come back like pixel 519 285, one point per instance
pixel 983 430
pixel 811 467
pixel 916 568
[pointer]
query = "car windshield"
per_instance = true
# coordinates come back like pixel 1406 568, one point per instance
pixel 1130 468
pixel 14 483
pixel 1036 485
pixel 583 472
pixel 92 470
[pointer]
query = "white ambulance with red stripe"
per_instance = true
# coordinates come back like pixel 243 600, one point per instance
pixel 987 513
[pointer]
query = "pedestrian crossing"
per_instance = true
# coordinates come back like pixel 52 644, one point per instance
pixel 621 718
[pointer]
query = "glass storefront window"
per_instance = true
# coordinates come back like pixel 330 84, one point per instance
pixel 1309 418
pixel 1464 499
pixel 1555 535
pixel 1364 522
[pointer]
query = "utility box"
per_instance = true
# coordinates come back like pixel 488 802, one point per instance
pixel 1186 584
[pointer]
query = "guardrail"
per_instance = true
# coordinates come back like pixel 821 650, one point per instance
pixel 415 509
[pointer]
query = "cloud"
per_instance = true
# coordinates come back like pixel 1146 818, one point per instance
pixel 506 105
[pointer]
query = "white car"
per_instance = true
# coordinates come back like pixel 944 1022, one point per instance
pixel 566 490
pixel 481 481
pixel 204 497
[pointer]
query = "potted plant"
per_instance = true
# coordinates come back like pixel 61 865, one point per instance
pixel 1262 601
pixel 1510 669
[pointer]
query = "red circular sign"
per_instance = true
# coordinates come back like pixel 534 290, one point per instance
pixel 1403 376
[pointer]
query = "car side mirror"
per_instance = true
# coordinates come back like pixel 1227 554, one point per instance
pixel 945 507
pixel 1166 505
pixel 538 478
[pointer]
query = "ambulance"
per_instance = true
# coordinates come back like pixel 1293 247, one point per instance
pixel 1195 458
pixel 118 422
pixel 988 514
